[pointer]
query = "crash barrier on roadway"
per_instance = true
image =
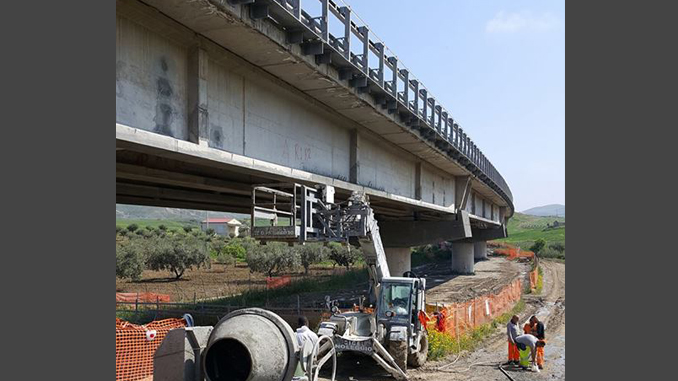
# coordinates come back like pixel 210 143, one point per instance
pixel 457 318
pixel 136 344
pixel 278 281
pixel 141 297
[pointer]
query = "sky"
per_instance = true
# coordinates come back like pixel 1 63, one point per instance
pixel 499 67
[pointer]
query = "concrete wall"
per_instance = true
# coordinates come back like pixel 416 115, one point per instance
pixel 479 205
pixel 386 168
pixel 150 81
pixel 436 186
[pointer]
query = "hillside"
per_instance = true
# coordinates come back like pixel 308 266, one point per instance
pixel 524 229
pixel 547 210
pixel 156 213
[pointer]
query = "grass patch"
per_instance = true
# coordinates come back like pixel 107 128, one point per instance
pixel 524 229
pixel 441 345
pixel 255 298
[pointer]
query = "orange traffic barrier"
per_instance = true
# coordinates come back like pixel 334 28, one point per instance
pixel 136 344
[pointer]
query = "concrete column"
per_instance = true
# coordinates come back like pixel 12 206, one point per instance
pixel 462 257
pixel 480 250
pixel 399 260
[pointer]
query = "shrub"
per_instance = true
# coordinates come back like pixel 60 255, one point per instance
pixel 538 245
pixel 271 259
pixel 223 250
pixel 188 228
pixel 439 344
pixel 235 250
pixel 176 254
pixel 162 227
pixel 132 227
pixel 344 255
pixel 558 246
pixel 225 259
pixel 129 260
pixel 549 252
pixel 311 253
pixel 150 228
pixel 209 231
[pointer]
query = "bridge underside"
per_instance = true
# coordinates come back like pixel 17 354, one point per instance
pixel 152 169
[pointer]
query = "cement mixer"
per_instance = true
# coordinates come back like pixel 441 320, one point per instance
pixel 245 345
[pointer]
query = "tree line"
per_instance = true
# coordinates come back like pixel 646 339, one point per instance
pixel 176 250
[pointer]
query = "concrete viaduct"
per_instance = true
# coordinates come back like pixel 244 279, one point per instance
pixel 213 96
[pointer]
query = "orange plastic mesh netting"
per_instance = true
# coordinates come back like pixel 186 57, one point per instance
pixel 457 318
pixel 142 297
pixel 512 252
pixel 278 281
pixel 136 344
pixel 534 278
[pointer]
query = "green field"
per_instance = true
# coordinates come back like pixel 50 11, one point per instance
pixel 524 229
pixel 142 223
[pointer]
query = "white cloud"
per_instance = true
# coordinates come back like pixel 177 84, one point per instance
pixel 512 22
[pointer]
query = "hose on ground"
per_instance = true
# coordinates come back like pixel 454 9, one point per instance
pixel 503 371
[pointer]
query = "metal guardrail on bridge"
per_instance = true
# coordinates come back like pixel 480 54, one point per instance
pixel 390 83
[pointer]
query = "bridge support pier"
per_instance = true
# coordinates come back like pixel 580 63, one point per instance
pixel 399 260
pixel 480 250
pixel 462 257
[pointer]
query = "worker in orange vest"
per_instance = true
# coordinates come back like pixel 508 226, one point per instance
pixel 512 331
pixel 538 330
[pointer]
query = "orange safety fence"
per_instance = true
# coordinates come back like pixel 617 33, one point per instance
pixel 142 297
pixel 136 344
pixel 278 281
pixel 534 278
pixel 512 252
pixel 457 318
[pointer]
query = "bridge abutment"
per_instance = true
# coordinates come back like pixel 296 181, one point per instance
pixel 399 260
pixel 462 257
pixel 480 250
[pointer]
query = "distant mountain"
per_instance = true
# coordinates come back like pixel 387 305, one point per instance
pixel 547 210
pixel 157 213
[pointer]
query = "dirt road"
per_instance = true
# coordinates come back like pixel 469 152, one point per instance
pixel 481 365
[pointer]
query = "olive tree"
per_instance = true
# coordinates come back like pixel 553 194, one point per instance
pixel 130 259
pixel 176 254
pixel 271 259
pixel 311 253
pixel 344 255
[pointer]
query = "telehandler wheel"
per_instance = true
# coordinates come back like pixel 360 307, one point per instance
pixel 398 350
pixel 415 360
